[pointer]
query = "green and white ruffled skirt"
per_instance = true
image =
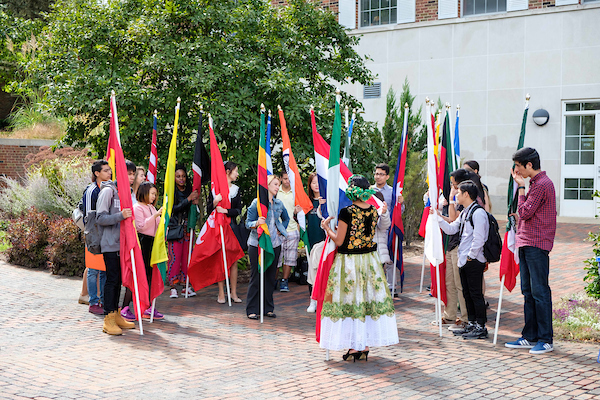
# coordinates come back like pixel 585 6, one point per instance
pixel 358 310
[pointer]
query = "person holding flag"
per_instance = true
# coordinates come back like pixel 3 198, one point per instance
pixel 314 232
pixel 357 310
pixel 276 220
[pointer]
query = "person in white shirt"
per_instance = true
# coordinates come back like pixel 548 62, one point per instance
pixel 473 226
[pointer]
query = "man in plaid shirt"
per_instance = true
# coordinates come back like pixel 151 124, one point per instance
pixel 535 237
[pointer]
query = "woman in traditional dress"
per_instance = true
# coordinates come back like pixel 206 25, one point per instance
pixel 358 311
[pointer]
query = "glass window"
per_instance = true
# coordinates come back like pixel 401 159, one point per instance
pixel 378 12
pixel 579 189
pixel 573 106
pixel 474 7
pixel 580 140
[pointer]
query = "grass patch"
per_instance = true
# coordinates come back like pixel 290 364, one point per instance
pixel 577 318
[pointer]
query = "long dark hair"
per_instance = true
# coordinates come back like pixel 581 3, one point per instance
pixel 311 194
pixel 188 184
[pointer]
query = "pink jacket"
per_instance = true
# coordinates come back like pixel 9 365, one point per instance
pixel 144 221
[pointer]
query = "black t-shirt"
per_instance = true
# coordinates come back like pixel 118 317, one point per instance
pixel 361 229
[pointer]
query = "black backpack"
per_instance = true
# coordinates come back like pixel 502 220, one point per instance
pixel 492 248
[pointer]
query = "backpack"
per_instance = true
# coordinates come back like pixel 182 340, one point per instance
pixel 77 216
pixel 492 248
pixel 92 233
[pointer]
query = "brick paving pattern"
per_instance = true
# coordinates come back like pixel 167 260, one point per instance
pixel 52 348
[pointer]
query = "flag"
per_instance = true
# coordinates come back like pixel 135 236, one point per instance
pixel 445 165
pixel 129 244
pixel 268 146
pixel 291 167
pixel 262 196
pixel 207 264
pixel 509 259
pixel 434 250
pixel 159 249
pixel 349 127
pixel 397 228
pixel 456 138
pixel 333 170
pixel 425 215
pixel 201 170
pixel 151 174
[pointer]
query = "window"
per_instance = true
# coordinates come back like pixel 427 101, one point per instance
pixel 579 189
pixel 474 7
pixel 378 12
pixel 580 136
pixel 372 91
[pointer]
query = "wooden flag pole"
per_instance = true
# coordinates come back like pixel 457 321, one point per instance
pixel 394 272
pixel 138 307
pixel 187 275
pixel 261 266
pixel 225 264
pixel 499 309
pixel 439 296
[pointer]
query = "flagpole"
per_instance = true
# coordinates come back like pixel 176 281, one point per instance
pixel 225 264
pixel 499 309
pixel 187 275
pixel 153 307
pixel 394 272
pixel 422 273
pixel 261 266
pixel 439 296
pixel 138 307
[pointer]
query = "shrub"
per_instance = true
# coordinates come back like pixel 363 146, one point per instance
pixel 28 236
pixel 591 266
pixel 577 317
pixel 65 249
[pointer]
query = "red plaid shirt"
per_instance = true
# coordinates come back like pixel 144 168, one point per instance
pixel 537 214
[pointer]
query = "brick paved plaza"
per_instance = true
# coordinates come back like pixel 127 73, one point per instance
pixel 52 347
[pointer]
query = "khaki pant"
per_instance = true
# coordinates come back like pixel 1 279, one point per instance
pixel 454 288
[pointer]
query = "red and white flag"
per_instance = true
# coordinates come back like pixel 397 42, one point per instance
pixel 151 175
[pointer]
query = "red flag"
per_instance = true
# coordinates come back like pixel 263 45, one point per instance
pixel 206 265
pixel 509 260
pixel 442 281
pixel 318 293
pixel 128 240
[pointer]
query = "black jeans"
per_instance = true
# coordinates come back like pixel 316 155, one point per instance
pixel 534 264
pixel 253 296
pixel 112 287
pixel 471 277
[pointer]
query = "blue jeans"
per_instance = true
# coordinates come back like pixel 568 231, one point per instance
pixel 92 279
pixel 535 266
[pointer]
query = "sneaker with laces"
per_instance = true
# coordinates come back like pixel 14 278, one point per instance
pixel 312 307
pixel 467 328
pixel 96 309
pixel 148 312
pixel 127 314
pixel 173 293
pixel 458 325
pixel 479 332
pixel 284 286
pixel 541 348
pixel 190 292
pixel 520 343
pixel 84 299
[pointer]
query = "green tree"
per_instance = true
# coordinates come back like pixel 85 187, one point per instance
pixel 230 56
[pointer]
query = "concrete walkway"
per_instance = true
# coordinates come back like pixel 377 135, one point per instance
pixel 51 347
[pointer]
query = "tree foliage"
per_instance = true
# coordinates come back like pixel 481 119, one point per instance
pixel 230 56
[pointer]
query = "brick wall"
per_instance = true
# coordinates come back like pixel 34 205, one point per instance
pixel 426 10
pixel 533 4
pixel 13 153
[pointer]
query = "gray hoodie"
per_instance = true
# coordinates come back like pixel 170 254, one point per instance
pixel 109 216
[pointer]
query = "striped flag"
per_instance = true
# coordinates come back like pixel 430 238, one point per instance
pixel 159 249
pixel 268 146
pixel 151 175
pixel 207 264
pixel 201 170
pixel 262 196
pixel 509 259
pixel 291 167
pixel 333 170
pixel 134 277
pixel 397 228
pixel 349 127
pixel 456 138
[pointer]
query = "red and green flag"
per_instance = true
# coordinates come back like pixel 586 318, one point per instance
pixel 262 196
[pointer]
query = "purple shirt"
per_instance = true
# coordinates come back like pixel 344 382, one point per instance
pixel 537 214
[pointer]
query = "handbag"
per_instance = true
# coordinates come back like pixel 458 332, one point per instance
pixel 176 232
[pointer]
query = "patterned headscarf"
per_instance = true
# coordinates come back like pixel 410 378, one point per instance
pixel 359 188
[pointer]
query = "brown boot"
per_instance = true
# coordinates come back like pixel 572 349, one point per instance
pixel 120 321
pixel 110 326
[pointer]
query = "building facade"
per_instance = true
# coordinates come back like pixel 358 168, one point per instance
pixel 486 55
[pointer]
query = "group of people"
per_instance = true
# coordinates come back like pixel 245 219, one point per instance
pixel 357 306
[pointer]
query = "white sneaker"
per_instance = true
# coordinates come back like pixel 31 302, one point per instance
pixel 312 307
pixel 173 294
pixel 190 292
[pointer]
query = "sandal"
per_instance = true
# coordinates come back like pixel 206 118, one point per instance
pixel 221 302
pixel 237 300
pixel 271 314
pixel 252 316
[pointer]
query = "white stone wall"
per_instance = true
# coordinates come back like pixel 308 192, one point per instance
pixel 487 64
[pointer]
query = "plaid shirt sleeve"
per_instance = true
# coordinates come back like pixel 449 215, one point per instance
pixel 529 205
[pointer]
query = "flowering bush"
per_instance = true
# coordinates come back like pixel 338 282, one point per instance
pixel 54 184
pixel 577 317
pixel 591 266
pixel 28 236
pixel 65 249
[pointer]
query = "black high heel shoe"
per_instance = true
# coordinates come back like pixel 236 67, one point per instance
pixel 366 354
pixel 355 355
